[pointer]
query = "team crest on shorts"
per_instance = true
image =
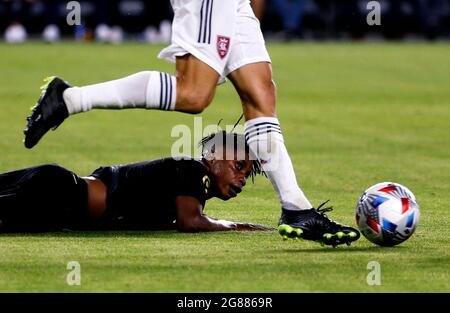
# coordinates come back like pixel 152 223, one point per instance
pixel 223 44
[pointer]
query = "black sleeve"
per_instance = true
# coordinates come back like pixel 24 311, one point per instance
pixel 193 180
pixel 103 173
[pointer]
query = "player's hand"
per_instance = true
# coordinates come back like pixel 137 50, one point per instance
pixel 250 226
pixel 262 227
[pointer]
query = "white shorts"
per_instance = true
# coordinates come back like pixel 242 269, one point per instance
pixel 225 34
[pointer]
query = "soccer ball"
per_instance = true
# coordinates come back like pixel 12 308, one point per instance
pixel 387 214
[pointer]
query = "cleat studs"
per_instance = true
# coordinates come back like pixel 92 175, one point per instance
pixel 47 82
pixel 327 236
pixel 298 232
pixel 284 230
pixel 352 234
pixel 284 237
pixel 340 235
pixel 348 243
pixel 48 79
pixel 287 231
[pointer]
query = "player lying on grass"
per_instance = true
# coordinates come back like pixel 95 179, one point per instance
pixel 167 193
pixel 147 195
pixel 211 41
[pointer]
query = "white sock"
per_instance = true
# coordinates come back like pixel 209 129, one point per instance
pixel 148 89
pixel 264 137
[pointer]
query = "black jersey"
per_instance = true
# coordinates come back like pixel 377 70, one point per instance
pixel 142 195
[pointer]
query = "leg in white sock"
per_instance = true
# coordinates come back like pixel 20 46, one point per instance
pixel 148 89
pixel 264 137
pixel 257 91
pixel 191 91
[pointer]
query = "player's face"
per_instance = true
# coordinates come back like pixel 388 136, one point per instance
pixel 229 176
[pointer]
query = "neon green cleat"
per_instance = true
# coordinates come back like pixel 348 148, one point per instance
pixel 287 231
pixel 48 113
pixel 314 225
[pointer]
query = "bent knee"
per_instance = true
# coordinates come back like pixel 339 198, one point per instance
pixel 197 106
pixel 194 102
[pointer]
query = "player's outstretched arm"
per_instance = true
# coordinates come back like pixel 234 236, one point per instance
pixel 190 218
pixel 244 226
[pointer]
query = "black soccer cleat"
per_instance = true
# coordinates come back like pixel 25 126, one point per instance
pixel 314 225
pixel 48 113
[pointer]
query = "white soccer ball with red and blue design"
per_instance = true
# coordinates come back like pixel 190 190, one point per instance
pixel 387 214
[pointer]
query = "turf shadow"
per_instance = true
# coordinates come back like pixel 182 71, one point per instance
pixel 345 249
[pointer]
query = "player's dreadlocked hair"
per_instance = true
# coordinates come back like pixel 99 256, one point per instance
pixel 232 142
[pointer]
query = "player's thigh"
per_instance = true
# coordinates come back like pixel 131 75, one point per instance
pixel 255 87
pixel 248 66
pixel 195 75
pixel 196 82
pixel 202 33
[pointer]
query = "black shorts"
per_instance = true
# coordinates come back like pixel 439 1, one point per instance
pixel 42 198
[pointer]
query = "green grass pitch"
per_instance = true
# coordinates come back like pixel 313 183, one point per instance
pixel 353 115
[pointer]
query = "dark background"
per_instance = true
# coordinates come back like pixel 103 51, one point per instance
pixel 281 19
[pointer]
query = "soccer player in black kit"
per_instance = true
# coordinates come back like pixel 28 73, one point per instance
pixel 161 194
